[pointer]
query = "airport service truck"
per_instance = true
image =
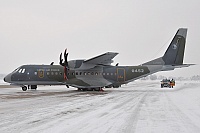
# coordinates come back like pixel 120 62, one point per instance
pixel 167 83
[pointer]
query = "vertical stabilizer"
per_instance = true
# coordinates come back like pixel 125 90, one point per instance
pixel 175 52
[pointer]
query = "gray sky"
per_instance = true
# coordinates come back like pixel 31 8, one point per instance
pixel 37 31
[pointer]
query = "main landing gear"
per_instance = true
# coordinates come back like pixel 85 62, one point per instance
pixel 32 87
pixel 90 89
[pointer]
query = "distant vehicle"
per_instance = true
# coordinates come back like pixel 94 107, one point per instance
pixel 167 83
pixel 97 72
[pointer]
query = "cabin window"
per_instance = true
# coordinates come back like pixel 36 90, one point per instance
pixel 35 73
pixel 52 73
pixel 60 73
pixel 104 74
pixel 88 73
pixel 107 73
pixel 92 73
pixel 76 73
pixel 73 73
pixel 68 73
pixel 80 73
pixel 96 73
pixel 111 73
pixel 85 73
pixel 56 73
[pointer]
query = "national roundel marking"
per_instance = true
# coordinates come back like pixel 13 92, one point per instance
pixel 174 46
pixel 41 73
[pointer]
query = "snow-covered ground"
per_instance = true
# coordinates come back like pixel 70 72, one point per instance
pixel 141 106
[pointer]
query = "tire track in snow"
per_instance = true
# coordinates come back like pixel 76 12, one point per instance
pixel 133 118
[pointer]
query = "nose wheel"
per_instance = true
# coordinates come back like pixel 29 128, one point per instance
pixel 24 88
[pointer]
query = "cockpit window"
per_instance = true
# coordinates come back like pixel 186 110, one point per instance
pixel 16 69
pixel 20 70
pixel 23 70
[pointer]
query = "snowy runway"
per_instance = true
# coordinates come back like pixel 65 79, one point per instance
pixel 139 107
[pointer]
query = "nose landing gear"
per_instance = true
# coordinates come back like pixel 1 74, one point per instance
pixel 32 87
pixel 24 88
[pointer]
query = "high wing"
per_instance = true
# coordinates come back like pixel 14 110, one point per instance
pixel 104 59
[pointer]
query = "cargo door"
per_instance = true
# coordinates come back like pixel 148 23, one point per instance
pixel 120 74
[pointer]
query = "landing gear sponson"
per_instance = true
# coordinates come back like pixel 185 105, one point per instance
pixel 33 87
pixel 90 89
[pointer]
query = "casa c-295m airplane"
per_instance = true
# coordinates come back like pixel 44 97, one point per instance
pixel 97 73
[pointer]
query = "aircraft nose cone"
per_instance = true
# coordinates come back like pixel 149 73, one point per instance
pixel 7 78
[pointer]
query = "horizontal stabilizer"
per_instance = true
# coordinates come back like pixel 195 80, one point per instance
pixel 183 65
pixel 172 67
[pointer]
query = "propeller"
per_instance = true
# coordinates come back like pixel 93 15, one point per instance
pixel 65 63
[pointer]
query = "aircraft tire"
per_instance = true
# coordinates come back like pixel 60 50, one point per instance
pixel 97 89
pixel 33 87
pixel 89 89
pixel 24 88
pixel 84 89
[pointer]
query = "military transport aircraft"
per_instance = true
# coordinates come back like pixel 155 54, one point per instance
pixel 97 73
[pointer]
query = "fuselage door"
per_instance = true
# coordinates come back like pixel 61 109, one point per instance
pixel 120 74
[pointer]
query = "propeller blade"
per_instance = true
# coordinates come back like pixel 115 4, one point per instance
pixel 65 57
pixel 61 60
pixel 65 52
pixel 66 62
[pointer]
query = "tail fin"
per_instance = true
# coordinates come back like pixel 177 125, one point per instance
pixel 173 57
pixel 175 52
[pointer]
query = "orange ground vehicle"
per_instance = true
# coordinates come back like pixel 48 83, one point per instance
pixel 167 83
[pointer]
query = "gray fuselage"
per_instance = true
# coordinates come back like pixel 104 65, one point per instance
pixel 90 78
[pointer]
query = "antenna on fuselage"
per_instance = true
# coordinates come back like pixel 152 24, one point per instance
pixel 52 63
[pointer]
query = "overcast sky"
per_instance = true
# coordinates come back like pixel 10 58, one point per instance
pixel 37 31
